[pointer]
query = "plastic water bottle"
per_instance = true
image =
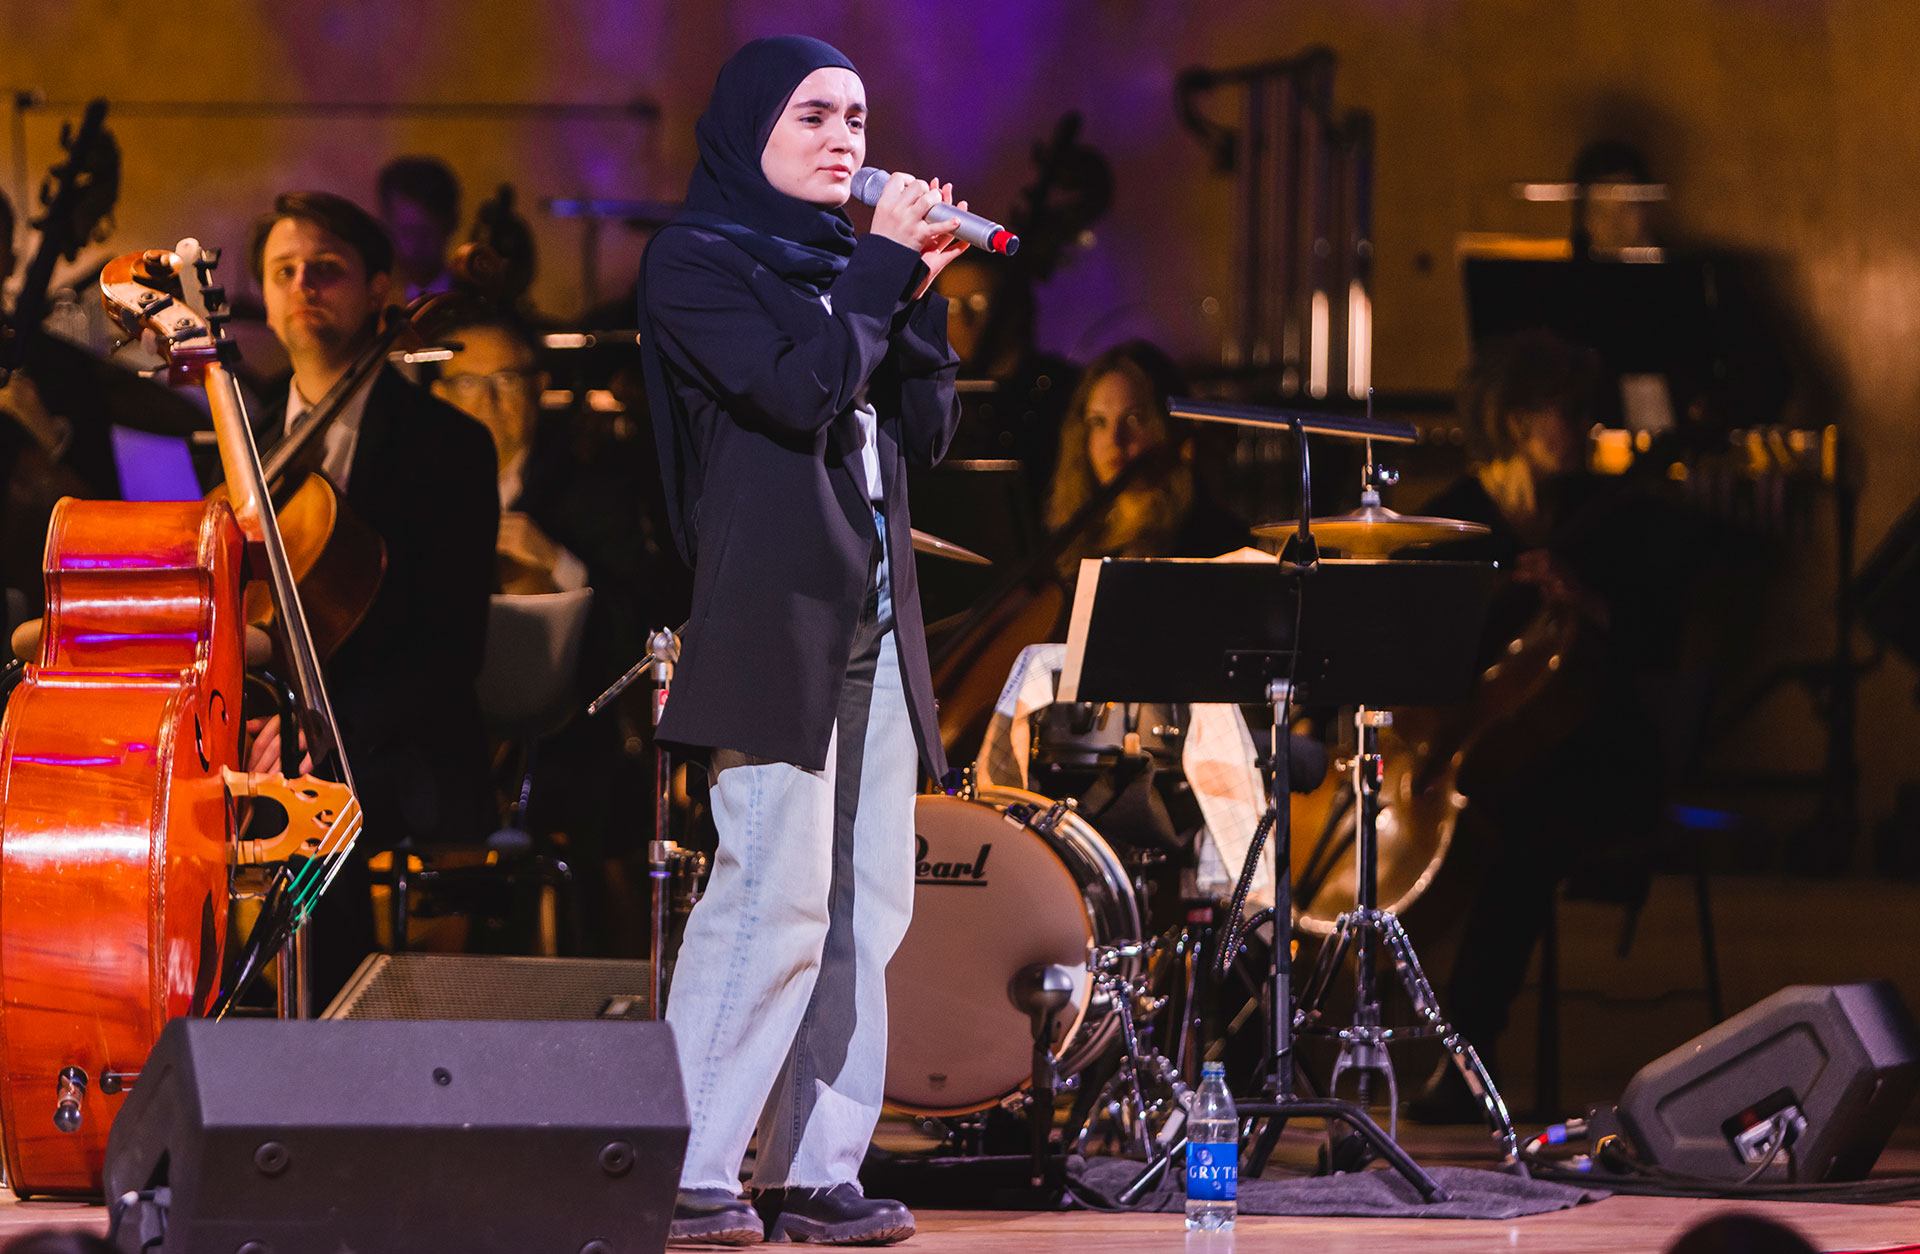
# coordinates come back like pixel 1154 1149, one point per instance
pixel 1213 1153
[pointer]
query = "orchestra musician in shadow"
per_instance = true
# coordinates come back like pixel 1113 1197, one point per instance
pixel 424 476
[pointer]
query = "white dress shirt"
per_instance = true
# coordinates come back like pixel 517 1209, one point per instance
pixel 339 439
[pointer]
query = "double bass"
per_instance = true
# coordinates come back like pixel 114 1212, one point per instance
pixel 121 772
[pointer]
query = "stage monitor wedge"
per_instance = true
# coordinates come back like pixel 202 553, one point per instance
pixel 1836 1063
pixel 311 1137
pixel 495 986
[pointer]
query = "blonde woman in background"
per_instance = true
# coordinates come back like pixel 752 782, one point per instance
pixel 1118 414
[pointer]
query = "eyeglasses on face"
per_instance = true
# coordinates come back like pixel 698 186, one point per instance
pixel 506 385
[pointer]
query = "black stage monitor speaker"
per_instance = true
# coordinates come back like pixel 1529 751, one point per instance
pixel 1831 1068
pixel 290 1137
pixel 489 986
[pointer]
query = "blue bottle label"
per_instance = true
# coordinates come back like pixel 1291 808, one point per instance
pixel 1213 1171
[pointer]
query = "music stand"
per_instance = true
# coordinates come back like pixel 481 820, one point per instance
pixel 1640 317
pixel 1341 633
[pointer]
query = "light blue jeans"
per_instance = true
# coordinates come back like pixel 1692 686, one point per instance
pixel 779 999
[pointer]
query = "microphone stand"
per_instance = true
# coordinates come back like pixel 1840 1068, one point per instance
pixel 663 653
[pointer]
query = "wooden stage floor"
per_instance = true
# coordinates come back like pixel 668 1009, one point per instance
pixel 1645 1225
pixel 1642 1225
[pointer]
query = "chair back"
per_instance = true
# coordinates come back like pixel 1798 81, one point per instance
pixel 526 685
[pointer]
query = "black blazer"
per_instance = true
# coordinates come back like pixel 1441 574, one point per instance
pixel 774 513
pixel 425 477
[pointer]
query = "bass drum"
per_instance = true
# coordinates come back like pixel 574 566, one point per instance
pixel 996 891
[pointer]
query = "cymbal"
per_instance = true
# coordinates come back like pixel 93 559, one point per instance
pixel 1376 531
pixel 924 543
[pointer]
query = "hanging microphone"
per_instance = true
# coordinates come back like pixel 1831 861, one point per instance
pixel 869 182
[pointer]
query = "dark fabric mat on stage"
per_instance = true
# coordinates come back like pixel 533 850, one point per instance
pixel 1379 1193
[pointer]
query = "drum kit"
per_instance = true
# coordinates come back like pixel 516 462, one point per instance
pixel 1030 966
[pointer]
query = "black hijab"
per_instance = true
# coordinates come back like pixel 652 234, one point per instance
pixel 804 244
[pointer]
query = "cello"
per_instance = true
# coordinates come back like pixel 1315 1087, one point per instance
pixel 120 773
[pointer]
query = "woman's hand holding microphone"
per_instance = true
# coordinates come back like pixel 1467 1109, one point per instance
pixel 901 216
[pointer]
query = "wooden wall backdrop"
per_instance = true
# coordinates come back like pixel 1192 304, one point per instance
pixel 1785 127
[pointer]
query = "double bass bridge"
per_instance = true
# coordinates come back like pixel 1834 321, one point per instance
pixel 322 816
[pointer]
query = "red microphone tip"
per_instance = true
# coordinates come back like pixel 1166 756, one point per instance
pixel 1004 242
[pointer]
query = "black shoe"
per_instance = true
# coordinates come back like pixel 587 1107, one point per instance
pixel 714 1217
pixel 836 1216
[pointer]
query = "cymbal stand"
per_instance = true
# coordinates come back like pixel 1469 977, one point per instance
pixel 1364 1042
pixel 1278 1103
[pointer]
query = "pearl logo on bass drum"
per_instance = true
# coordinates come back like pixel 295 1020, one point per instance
pixel 955 874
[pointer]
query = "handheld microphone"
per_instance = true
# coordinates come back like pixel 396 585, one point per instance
pixel 869 182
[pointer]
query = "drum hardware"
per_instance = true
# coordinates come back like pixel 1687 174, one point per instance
pixel 1043 993
pixel 70 1099
pixel 1334 842
pixel 1249 625
pixel 689 879
pixel 1044 823
pixel 1376 531
pixel 1280 1104
pixel 1122 1097
pixel 1364 1041
pixel 1373 530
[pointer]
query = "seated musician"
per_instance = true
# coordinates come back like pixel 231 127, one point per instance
pixel 1612 218
pixel 29 432
pixel 494 376
pixel 423 475
pixel 1567 784
pixel 44 454
pixel 420 208
pixel 990 323
pixel 1117 414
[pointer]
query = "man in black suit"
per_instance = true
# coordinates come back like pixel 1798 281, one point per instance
pixel 422 475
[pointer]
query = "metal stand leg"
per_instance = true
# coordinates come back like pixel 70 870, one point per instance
pixel 1363 1045
pixel 397 901
pixel 1364 1051
pixel 1413 978
pixel 295 985
pixel 1280 1104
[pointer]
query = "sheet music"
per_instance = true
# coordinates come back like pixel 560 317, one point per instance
pixel 1077 628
